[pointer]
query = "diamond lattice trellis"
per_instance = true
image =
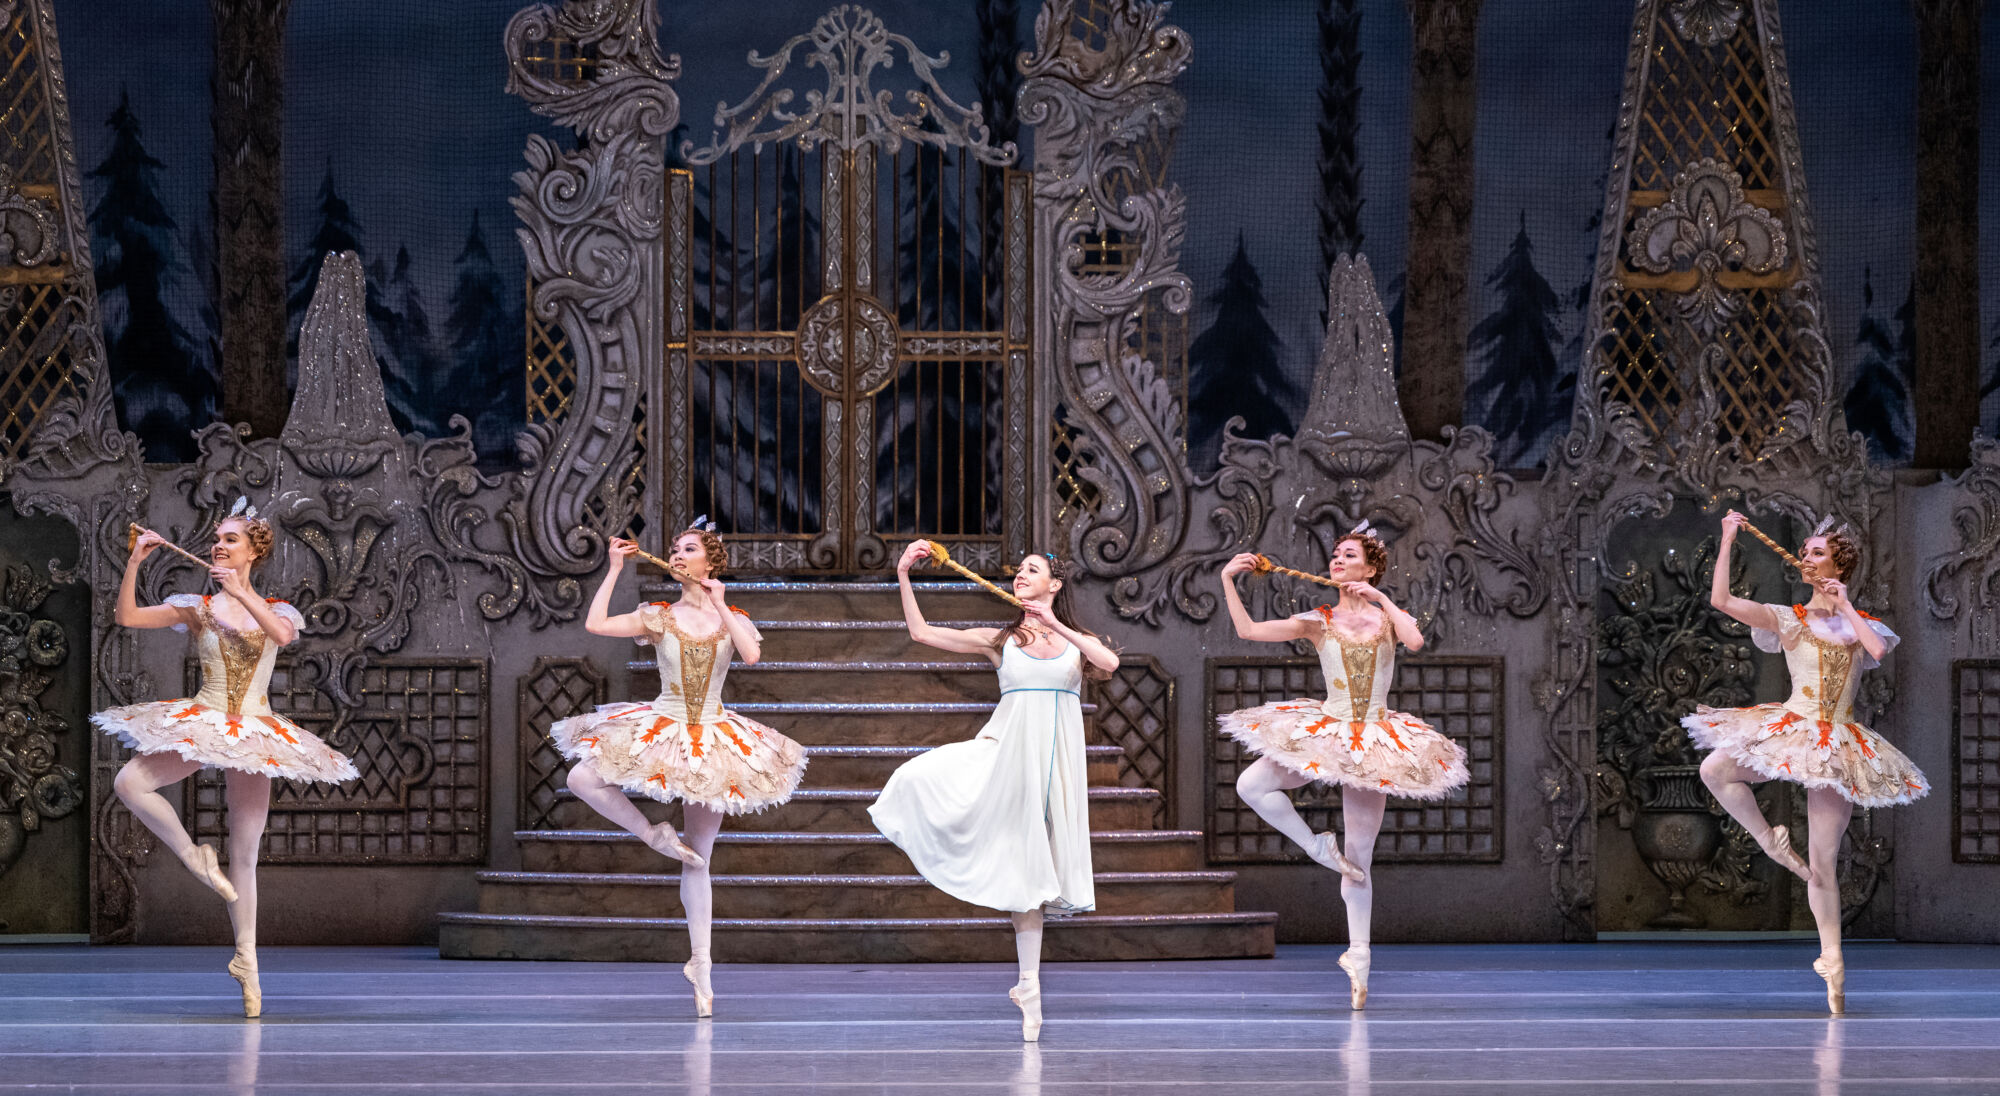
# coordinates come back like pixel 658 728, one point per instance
pixel 555 689
pixel 419 740
pixel 1135 712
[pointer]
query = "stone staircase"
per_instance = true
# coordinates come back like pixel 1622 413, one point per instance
pixel 811 880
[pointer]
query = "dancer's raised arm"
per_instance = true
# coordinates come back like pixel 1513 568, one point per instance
pixel 963 641
pixel 1261 631
pixel 1754 614
pixel 131 614
pixel 600 622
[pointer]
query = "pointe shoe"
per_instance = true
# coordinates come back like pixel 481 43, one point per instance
pixel 1834 970
pixel 1326 851
pixel 1027 996
pixel 663 839
pixel 244 969
pixel 207 868
pixel 1779 848
pixel 696 970
pixel 1355 962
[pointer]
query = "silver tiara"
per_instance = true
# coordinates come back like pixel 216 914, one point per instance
pixel 1361 530
pixel 1825 524
pixel 243 509
pixel 701 524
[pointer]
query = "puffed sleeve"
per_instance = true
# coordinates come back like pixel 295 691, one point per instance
pixel 285 611
pixel 748 623
pixel 1316 625
pixel 188 604
pixel 649 619
pixel 1787 635
pixel 1889 641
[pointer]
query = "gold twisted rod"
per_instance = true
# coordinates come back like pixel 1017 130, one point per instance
pixel 1265 566
pixel 1773 546
pixel 132 538
pixel 942 557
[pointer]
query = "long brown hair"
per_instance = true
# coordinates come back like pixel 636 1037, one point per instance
pixel 1061 606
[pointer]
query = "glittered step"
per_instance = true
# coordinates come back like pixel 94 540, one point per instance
pixel 878 599
pixel 787 853
pixel 983 939
pixel 964 681
pixel 846 809
pixel 822 895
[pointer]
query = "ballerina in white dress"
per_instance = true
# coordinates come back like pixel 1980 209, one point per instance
pixel 228 725
pixel 683 744
pixel 1812 738
pixel 1002 820
pixel 1351 739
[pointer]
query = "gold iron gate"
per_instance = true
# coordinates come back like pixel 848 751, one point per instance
pixel 847 321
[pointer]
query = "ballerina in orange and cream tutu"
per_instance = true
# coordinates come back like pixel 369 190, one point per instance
pixel 682 744
pixel 228 725
pixel 1812 738
pixel 1351 738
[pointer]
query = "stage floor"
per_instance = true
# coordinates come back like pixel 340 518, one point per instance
pixel 1623 1017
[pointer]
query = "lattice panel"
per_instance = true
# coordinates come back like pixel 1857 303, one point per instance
pixel 1756 376
pixel 1975 775
pixel 1135 712
pixel 419 739
pixel 551 366
pixel 1703 102
pixel 555 689
pixel 1460 696
pixel 27 130
pixel 36 325
pixel 1075 495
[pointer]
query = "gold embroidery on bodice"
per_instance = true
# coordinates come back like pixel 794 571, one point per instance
pixel 697 659
pixel 1357 661
pixel 240 654
pixel 1836 663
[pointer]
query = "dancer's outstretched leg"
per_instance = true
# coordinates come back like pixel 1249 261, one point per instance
pixel 609 800
pixel 1027 993
pixel 138 786
pixel 1730 783
pixel 698 900
pixel 249 798
pixel 1361 816
pixel 1262 788
pixel 1827 813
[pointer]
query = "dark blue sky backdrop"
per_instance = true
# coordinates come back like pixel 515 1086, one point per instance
pixel 406 101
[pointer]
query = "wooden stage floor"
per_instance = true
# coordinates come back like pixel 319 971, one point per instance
pixel 1605 1018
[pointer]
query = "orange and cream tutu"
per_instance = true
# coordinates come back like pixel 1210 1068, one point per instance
pixel 1352 738
pixel 684 744
pixel 1812 738
pixel 229 724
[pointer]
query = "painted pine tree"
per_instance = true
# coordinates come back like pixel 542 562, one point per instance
pixel 1234 368
pixel 1878 402
pixel 1992 385
pixel 1339 201
pixel 485 331
pixel 162 385
pixel 413 369
pixel 1519 393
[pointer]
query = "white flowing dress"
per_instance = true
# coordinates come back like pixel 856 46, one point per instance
pixel 1002 819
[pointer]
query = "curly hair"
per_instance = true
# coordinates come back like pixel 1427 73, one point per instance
pixel 1373 551
pixel 255 530
pixel 1845 551
pixel 712 547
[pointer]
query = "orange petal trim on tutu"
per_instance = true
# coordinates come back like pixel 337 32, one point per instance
pixel 1825 735
pixel 653 732
pixel 1354 736
pixel 278 728
pixel 694 739
pixel 1860 740
pixel 191 711
pixel 236 725
pixel 1313 767
pixel 590 742
pixel 1393 736
pixel 658 778
pixel 189 741
pixel 740 744
pixel 736 791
